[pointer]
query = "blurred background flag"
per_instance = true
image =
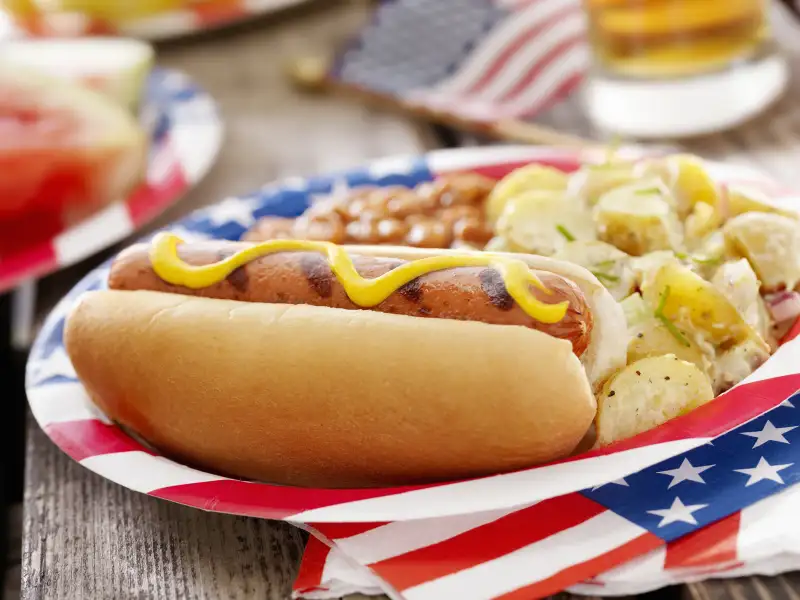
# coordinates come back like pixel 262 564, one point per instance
pixel 483 59
pixel 472 60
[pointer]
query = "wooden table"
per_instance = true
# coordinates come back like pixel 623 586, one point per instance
pixel 85 537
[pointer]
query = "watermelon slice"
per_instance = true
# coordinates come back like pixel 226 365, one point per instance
pixel 65 152
pixel 118 67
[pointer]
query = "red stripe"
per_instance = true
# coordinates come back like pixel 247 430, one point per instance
pixel 264 500
pixel 535 70
pixel 718 569
pixel 711 545
pixel 150 200
pixel 90 437
pixel 311 569
pixel 487 542
pixel 580 572
pixel 498 171
pixel 562 90
pixel 513 47
pixel 218 12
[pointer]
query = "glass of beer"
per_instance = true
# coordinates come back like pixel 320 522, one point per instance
pixel 672 68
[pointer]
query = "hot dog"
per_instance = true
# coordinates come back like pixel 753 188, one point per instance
pixel 466 293
pixel 306 363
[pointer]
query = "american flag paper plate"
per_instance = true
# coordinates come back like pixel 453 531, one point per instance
pixel 186 137
pixel 192 17
pixel 59 403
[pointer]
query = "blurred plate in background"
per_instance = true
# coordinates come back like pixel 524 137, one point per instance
pixel 186 134
pixel 150 19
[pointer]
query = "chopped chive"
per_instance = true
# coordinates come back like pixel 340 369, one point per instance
pixel 565 232
pixel 706 260
pixel 606 263
pixel 659 314
pixel 607 276
pixel 650 190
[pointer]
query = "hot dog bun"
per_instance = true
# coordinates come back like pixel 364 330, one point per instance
pixel 316 396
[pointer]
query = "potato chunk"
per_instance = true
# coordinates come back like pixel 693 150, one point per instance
pixel 771 243
pixel 638 219
pixel 646 394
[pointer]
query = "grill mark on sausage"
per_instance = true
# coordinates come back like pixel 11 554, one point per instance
pixel 318 273
pixel 412 291
pixel 239 278
pixel 494 287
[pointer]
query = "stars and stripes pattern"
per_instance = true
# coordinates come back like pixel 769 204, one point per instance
pixel 186 134
pixel 718 510
pixel 629 499
pixel 761 539
pixel 482 60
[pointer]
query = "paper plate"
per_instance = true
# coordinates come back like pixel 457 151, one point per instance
pixel 166 25
pixel 186 137
pixel 60 405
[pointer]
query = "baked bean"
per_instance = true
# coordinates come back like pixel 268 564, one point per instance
pixel 466 189
pixel 392 230
pixel 450 216
pixel 363 232
pixel 271 228
pixel 429 234
pixel 472 231
pixel 328 228
pixel 357 208
pixel 444 213
pixel 403 207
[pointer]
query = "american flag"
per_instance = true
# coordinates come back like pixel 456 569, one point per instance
pixel 482 60
pixel 714 510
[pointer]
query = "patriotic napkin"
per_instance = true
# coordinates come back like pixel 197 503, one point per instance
pixel 763 539
pixel 725 509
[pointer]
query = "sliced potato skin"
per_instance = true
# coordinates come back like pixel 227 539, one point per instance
pixel 771 244
pixel 691 301
pixel 647 393
pixel 638 219
pixel 543 222
pixel 533 177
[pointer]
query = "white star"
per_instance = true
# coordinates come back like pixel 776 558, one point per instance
pixel 686 472
pixel 769 433
pixel 621 482
pixel 678 512
pixel 392 166
pixel 787 403
pixel 57 363
pixel 231 210
pixel 763 470
pixel 340 189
